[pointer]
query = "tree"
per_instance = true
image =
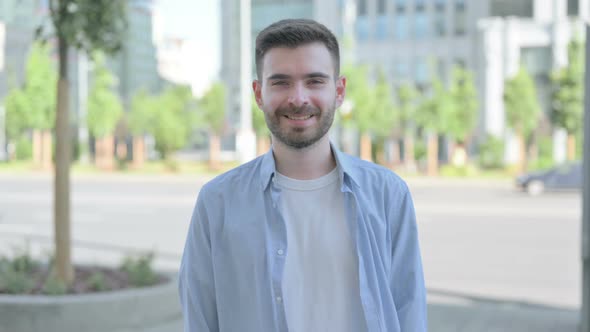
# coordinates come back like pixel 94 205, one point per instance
pixel 522 109
pixel 104 112
pixel 86 25
pixel 212 105
pixel 462 115
pixel 432 115
pixel 32 107
pixel 141 119
pixel 406 100
pixel 385 113
pixel 172 120
pixel 568 95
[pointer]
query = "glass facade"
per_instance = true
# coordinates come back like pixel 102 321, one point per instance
pixel 421 25
pixel 401 27
pixel 382 27
pixel 460 18
pixel 362 28
pixel 520 8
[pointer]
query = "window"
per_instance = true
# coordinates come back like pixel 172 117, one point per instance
pixel 421 25
pixel 420 5
pixel 421 71
pixel 401 70
pixel 401 27
pixel 573 7
pixel 362 28
pixel 439 5
pixel 503 8
pixel 440 25
pixel 382 28
pixel 400 5
pixel 361 7
pixel 381 7
pixel 460 18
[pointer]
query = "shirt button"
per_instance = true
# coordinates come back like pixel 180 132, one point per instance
pixel 279 299
pixel 280 252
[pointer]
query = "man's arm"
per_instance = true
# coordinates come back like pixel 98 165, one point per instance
pixel 196 284
pixel 407 277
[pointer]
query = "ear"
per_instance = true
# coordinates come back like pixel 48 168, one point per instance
pixel 340 90
pixel 257 88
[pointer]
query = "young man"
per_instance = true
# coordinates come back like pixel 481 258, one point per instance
pixel 304 238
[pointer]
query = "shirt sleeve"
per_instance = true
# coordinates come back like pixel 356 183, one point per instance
pixel 407 277
pixel 196 284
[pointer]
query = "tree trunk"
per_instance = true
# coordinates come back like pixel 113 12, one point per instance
pixel 409 160
pixel 432 169
pixel 394 153
pixel 571 147
pixel 105 160
pixel 522 157
pixel 262 145
pixel 366 147
pixel 121 150
pixel 138 151
pixel 63 262
pixel 37 148
pixel 47 149
pixel 214 151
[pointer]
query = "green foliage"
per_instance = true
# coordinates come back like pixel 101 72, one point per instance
pixel 520 101
pixel 33 105
pixel 433 113
pixel 54 286
pixel 13 281
pixel 97 282
pixel 139 270
pixel 420 150
pixel 491 153
pixel 407 97
pixel 172 120
pixel 104 106
pixel 258 121
pixel 23 148
pixel 89 24
pixel 458 171
pixel 462 116
pixel 212 105
pixel 544 159
pixel 568 90
pixel 143 113
pixel 373 110
pixel 15 273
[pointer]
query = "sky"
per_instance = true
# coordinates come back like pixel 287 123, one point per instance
pixel 199 22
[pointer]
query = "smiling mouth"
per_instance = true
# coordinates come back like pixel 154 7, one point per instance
pixel 298 118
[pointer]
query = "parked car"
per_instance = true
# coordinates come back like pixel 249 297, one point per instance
pixel 563 177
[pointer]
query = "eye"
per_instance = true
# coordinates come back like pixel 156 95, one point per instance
pixel 279 83
pixel 315 81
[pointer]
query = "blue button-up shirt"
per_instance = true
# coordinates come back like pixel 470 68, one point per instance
pixel 231 274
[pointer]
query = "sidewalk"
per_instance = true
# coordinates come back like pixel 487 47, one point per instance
pixel 458 314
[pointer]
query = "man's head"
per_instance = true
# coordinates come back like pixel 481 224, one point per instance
pixel 298 86
pixel 291 33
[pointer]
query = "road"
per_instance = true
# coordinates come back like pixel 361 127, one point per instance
pixel 483 243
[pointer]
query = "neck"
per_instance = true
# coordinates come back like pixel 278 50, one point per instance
pixel 304 164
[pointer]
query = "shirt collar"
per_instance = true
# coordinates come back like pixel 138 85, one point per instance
pixel 345 163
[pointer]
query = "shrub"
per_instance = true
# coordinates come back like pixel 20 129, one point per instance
pixel 139 270
pixel 491 153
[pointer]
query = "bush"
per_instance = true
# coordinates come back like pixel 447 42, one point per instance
pixel 97 282
pixel 491 153
pixel 139 270
pixel 13 281
pixel 458 171
pixel 545 157
pixel 420 151
pixel 54 286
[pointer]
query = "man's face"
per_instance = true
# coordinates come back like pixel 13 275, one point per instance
pixel 298 93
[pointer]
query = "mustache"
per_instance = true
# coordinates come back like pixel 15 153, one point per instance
pixel 303 110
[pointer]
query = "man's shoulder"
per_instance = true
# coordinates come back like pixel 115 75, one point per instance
pixel 237 177
pixel 369 172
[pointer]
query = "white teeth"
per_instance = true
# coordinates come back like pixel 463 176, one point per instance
pixel 299 118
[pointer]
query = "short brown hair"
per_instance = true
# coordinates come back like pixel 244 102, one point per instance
pixel 293 33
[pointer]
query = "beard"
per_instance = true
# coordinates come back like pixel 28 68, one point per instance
pixel 300 137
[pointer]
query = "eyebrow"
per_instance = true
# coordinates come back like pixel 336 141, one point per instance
pixel 285 76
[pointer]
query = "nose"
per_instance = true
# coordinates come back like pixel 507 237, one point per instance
pixel 298 96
